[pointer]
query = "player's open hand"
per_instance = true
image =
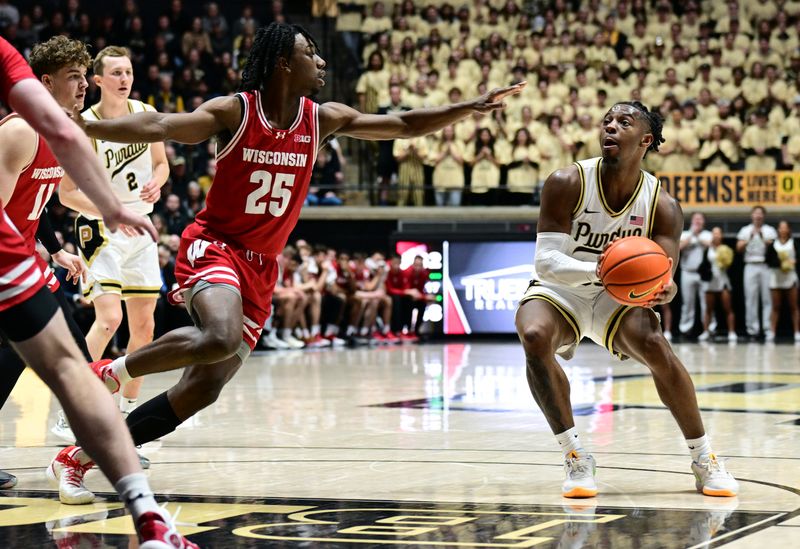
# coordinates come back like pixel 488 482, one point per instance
pixel 72 263
pixel 666 294
pixel 139 224
pixel 151 192
pixel 494 99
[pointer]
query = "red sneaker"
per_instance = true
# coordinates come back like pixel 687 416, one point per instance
pixel 102 370
pixel 409 337
pixel 318 341
pixel 379 338
pixel 156 532
pixel 391 338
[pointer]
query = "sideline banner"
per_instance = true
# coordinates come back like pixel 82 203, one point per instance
pixel 698 189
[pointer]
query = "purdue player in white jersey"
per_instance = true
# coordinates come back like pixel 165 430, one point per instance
pixel 583 208
pixel 121 265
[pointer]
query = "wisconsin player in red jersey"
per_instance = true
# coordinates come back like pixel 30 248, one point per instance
pixel 31 321
pixel 226 264
pixel 30 173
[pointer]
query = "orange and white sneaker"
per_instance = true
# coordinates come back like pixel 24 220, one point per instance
pixel 67 473
pixel 580 470
pixel 102 369
pixel 712 479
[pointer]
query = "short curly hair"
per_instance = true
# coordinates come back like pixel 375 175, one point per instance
pixel 57 53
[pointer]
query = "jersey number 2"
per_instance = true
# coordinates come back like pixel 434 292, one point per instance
pixel 132 184
pixel 279 194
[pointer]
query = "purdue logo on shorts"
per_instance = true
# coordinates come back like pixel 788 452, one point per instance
pixel 91 237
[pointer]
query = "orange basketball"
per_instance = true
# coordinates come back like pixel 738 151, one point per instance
pixel 633 269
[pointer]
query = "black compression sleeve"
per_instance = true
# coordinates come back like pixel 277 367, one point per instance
pixel 46 235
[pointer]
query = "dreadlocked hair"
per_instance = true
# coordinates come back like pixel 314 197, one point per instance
pixel 270 44
pixel 654 120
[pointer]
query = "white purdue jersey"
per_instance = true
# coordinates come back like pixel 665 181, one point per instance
pixel 595 224
pixel 129 165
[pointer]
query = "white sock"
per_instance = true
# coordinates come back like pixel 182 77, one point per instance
pixel 699 447
pixel 569 442
pixel 386 329
pixel 331 330
pixel 305 333
pixel 126 405
pixel 351 330
pixel 315 330
pixel 135 493
pixel 119 369
pixel 286 333
pixel 364 331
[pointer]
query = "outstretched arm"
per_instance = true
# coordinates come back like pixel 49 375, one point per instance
pixel 210 118
pixel 336 118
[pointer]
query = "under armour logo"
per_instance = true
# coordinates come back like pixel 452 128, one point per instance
pixel 280 135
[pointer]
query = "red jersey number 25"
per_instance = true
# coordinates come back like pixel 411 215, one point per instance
pixel 278 188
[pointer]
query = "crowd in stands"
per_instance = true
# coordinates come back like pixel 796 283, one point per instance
pixel 183 54
pixel 723 74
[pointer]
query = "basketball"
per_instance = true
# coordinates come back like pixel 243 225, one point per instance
pixel 633 269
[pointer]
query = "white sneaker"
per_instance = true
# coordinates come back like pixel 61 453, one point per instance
pixel 67 473
pixel 668 335
pixel 797 337
pixel 705 336
pixel 293 342
pixel 62 429
pixel 732 337
pixel 712 479
pixel 336 341
pixel 580 470
pixel 271 341
pixel 769 336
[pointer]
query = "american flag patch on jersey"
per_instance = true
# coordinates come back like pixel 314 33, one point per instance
pixel 637 220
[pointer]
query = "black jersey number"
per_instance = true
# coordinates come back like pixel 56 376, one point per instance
pixel 132 184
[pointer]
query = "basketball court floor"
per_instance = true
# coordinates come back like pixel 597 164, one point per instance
pixel 438 445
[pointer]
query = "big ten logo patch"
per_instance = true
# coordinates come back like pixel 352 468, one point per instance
pixel 422 527
pixel 302 138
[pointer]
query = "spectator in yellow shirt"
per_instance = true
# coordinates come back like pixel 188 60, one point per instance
pixel 485 168
pixel 410 155
pixel 523 169
pixel 761 145
pixel 680 146
pixel 373 85
pixel 377 21
pixel 718 153
pixel 448 173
